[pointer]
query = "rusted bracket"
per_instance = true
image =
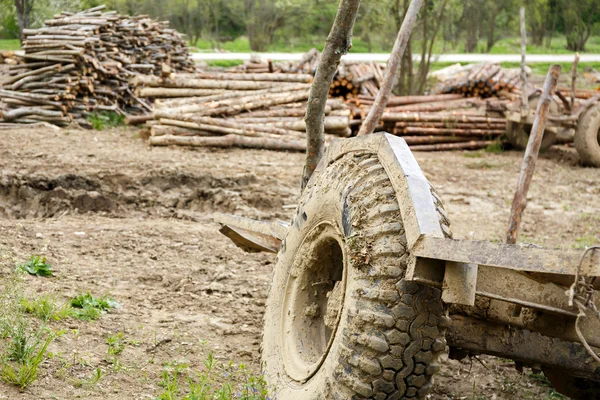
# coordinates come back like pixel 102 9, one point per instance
pixel 465 268
pixel 252 235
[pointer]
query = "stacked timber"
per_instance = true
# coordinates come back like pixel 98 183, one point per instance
pixel 307 64
pixel 234 110
pixel 445 130
pixel 482 80
pixel 80 63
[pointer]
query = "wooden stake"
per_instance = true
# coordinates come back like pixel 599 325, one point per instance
pixel 338 43
pixel 531 154
pixel 392 68
pixel 524 94
pixel 573 80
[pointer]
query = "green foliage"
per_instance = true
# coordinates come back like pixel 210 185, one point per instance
pixel 89 308
pixel 215 381
pixel 91 381
pixel 495 147
pixel 116 344
pixel 10 44
pixel 45 308
pixel 24 345
pixel 224 63
pixel 105 119
pixel 23 372
pixel 37 265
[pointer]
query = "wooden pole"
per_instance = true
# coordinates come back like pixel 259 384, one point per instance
pixel 531 154
pixel 392 68
pixel 573 80
pixel 338 43
pixel 524 94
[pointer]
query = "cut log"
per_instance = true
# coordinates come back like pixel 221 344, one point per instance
pixel 229 141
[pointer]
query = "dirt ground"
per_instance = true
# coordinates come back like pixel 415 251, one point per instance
pixel 117 217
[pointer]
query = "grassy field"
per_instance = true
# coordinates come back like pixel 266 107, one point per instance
pixel 510 45
pixel 9 44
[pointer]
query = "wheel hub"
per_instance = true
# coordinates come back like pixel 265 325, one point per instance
pixel 313 302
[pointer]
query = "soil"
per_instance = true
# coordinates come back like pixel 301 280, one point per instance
pixel 114 216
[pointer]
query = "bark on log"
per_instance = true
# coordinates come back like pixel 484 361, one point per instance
pixel 445 131
pixel 473 145
pixel 177 82
pixel 177 92
pixel 137 119
pixel 228 141
pixel 531 154
pixel 441 117
pixel 414 140
pixel 162 130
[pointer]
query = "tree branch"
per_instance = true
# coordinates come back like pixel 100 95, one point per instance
pixel 337 44
pixel 391 70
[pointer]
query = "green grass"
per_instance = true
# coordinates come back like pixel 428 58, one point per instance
pixel 24 343
pixel 215 381
pixel 510 45
pixel 105 119
pixel 46 309
pixel 224 63
pixel 10 44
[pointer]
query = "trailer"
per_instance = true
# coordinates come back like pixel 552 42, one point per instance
pixel 370 288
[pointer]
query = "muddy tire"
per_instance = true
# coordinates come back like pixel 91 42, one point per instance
pixel 518 134
pixel 340 322
pixel 574 387
pixel 587 137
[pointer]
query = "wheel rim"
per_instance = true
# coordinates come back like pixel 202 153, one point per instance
pixel 314 297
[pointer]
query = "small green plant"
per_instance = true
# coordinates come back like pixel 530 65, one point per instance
pixel 215 381
pixel 23 373
pixel 106 119
pixel 91 381
pixel 482 165
pixel 585 241
pixel 495 147
pixel 89 308
pixel 116 344
pixel 45 308
pixel 37 265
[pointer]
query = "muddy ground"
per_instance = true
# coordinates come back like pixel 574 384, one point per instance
pixel 116 217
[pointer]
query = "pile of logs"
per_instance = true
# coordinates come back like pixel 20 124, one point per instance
pixel 234 110
pixel 80 63
pixel 445 130
pixel 483 80
pixel 306 65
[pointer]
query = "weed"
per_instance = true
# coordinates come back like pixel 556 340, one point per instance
pixel 495 147
pixel 482 165
pixel 585 241
pixel 89 308
pixel 36 265
pixel 23 373
pixel 106 119
pixel 24 346
pixel 46 309
pixel 115 344
pixel 91 381
pixel 215 381
pixel 473 154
